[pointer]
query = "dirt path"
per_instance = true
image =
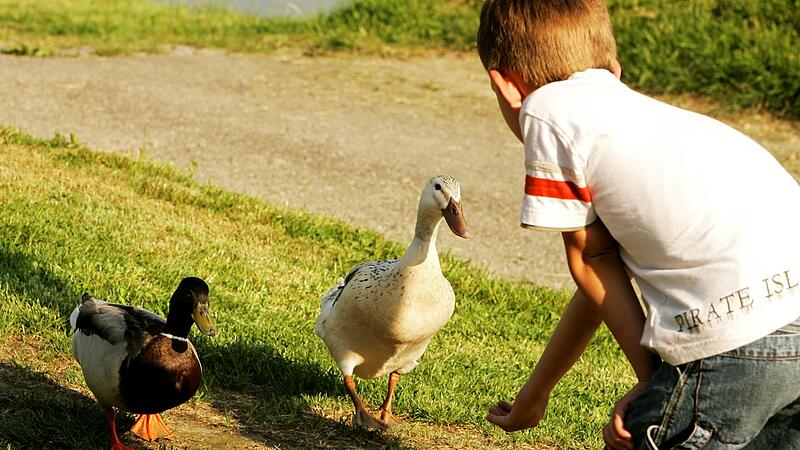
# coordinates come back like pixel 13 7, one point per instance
pixel 352 137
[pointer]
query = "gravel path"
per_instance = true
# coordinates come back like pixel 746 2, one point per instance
pixel 355 138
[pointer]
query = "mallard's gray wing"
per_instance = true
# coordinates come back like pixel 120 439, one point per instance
pixel 118 323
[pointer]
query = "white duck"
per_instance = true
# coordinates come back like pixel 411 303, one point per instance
pixel 381 317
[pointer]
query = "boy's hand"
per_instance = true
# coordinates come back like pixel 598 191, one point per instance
pixel 505 416
pixel 615 435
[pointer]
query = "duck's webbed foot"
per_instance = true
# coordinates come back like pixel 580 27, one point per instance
pixel 362 415
pixel 366 419
pixel 384 415
pixel 386 419
pixel 151 427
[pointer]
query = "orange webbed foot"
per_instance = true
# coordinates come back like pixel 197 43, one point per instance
pixel 386 419
pixel 151 427
pixel 363 417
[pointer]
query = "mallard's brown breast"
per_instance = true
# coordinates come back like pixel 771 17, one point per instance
pixel 164 375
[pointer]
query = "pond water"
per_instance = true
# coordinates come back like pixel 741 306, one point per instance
pixel 267 7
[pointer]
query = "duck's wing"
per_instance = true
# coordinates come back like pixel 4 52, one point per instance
pixel 117 323
pixel 332 296
pixel 360 274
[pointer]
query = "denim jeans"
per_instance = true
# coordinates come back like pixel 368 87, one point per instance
pixel 748 398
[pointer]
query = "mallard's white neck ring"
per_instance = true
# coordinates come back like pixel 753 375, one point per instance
pixel 174 337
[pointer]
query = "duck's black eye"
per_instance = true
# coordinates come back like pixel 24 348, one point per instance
pixel 437 186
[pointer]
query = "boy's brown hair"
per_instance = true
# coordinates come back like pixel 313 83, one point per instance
pixel 546 40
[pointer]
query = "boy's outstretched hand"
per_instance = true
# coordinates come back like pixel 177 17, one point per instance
pixel 615 435
pixel 505 416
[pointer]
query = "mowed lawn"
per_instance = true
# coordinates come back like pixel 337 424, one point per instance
pixel 74 220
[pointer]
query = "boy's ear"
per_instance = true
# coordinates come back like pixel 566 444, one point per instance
pixel 510 86
pixel 616 69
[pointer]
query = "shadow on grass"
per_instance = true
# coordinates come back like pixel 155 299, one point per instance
pixel 27 278
pixel 38 413
pixel 267 393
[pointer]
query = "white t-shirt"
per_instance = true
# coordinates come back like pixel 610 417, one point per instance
pixel 707 220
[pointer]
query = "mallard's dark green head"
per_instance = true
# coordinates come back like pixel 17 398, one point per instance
pixel 190 303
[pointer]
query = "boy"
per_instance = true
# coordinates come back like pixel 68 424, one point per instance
pixel 704 219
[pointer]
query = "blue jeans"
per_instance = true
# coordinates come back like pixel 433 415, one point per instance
pixel 748 398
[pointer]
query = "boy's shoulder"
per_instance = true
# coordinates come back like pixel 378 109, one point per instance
pixel 596 100
pixel 589 80
pixel 584 91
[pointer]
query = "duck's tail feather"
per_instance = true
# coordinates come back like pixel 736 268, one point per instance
pixel 326 306
pixel 333 293
pixel 73 317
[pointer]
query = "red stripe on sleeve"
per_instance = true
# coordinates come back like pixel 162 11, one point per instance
pixel 565 190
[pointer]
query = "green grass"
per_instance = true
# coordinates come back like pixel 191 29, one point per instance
pixel 111 27
pixel 74 220
pixel 740 52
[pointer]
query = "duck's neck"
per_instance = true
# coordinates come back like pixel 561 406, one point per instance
pixel 178 323
pixel 423 248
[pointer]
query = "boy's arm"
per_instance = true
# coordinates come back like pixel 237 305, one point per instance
pixel 605 292
pixel 596 267
pixel 578 324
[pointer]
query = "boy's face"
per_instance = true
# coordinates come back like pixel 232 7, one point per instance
pixel 510 91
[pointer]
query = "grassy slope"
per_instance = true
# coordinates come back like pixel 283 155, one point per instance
pixel 74 220
pixel 740 52
pixel 36 27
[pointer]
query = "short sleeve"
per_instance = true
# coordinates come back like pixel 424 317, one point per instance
pixel 556 194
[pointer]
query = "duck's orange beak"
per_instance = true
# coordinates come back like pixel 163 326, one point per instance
pixel 455 220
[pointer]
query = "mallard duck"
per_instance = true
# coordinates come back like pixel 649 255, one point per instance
pixel 135 361
pixel 379 319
